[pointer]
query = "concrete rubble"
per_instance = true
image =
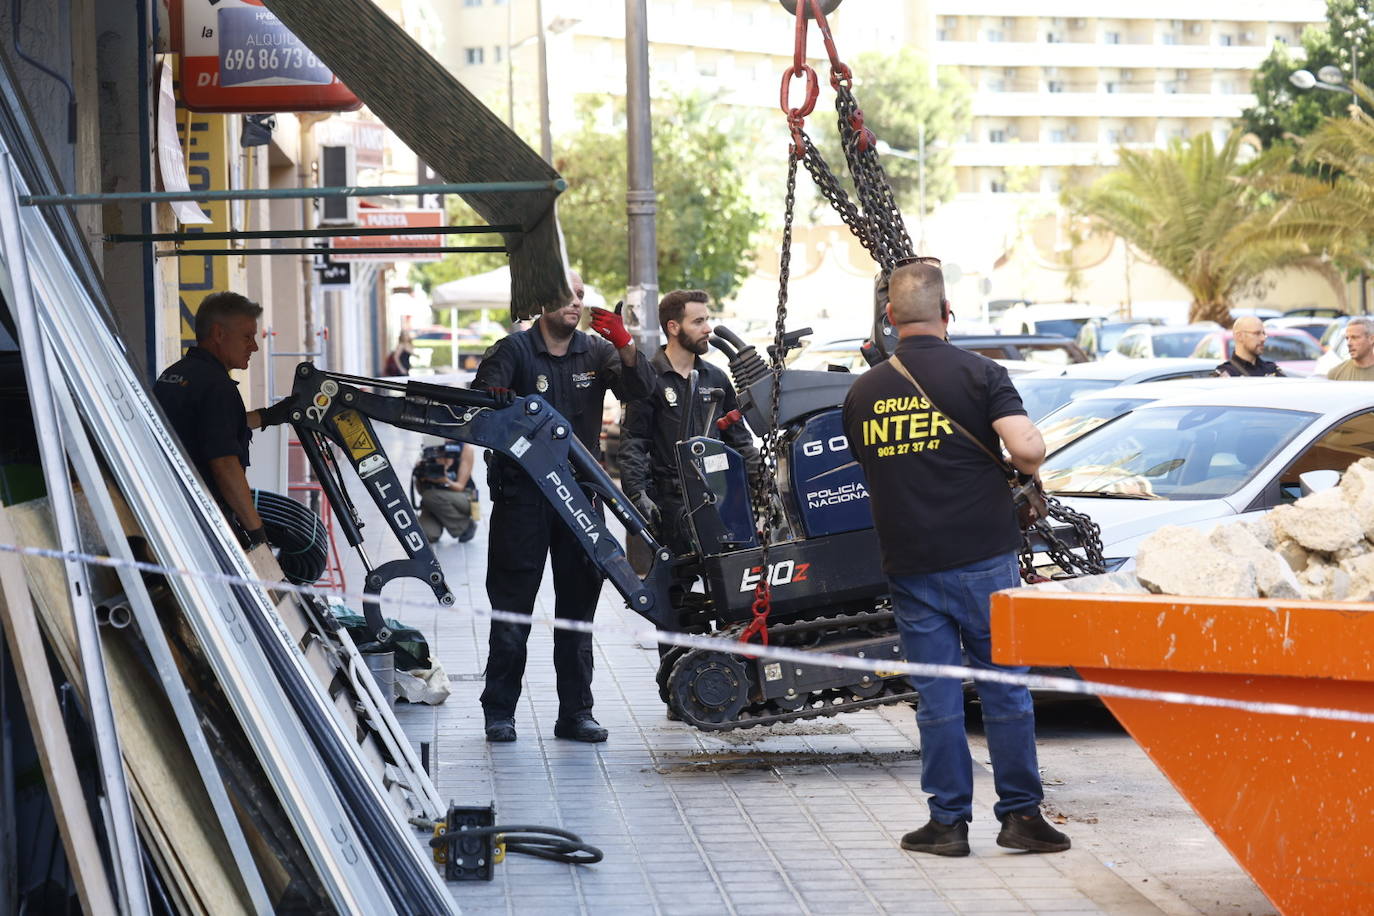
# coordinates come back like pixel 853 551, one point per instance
pixel 1319 548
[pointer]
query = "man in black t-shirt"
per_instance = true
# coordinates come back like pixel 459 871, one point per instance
pixel 948 535
pixel 203 404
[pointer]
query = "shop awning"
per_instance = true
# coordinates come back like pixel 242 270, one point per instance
pixel 446 126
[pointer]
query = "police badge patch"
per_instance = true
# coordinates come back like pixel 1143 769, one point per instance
pixel 541 384
pixel 670 395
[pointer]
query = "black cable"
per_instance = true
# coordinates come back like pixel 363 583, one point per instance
pixel 558 846
pixel 300 537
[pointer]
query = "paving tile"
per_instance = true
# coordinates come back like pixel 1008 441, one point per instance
pixel 681 836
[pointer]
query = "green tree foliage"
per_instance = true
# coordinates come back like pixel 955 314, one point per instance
pixel 895 93
pixel 1329 201
pixel 706 218
pixel 1281 109
pixel 1194 209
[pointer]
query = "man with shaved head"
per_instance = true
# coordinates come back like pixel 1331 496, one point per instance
pixel 948 535
pixel 1247 343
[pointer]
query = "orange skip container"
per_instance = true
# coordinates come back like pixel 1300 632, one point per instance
pixel 1291 797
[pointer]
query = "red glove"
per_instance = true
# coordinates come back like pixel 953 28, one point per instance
pixel 610 326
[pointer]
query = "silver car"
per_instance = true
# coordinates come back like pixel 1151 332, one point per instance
pixel 1207 456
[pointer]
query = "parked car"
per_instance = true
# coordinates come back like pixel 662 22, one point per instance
pixel 1017 353
pixel 1335 349
pixel 1045 390
pixel 1314 311
pixel 1151 341
pixel 1203 457
pixel 1262 313
pixel 1046 350
pixel 1316 326
pixel 1099 337
pixel 1061 318
pixel 1092 409
pixel 1296 352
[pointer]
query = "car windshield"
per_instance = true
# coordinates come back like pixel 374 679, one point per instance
pixel 1291 348
pixel 1061 327
pixel 1182 452
pixel 1041 395
pixel 1176 343
pixel 1082 416
pixel 1109 334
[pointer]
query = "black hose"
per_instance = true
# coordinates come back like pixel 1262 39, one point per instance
pixel 300 537
pixel 557 846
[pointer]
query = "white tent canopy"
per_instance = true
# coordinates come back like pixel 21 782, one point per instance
pixel 490 290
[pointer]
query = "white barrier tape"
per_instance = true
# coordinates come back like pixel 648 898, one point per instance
pixel 734 647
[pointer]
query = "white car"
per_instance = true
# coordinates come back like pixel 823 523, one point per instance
pixel 1207 456
pixel 1064 319
pixel 1047 389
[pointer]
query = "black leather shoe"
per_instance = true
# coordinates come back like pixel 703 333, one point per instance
pixel 501 730
pixel 1030 831
pixel 939 839
pixel 583 729
pixel 469 534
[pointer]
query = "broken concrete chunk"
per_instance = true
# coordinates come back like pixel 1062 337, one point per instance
pixel 1182 561
pixel 1361 572
pixel 1262 529
pixel 1325 582
pixel 1323 521
pixel 1273 576
pixel 1357 488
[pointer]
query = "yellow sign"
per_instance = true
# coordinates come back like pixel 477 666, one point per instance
pixel 355 433
pixel 205 141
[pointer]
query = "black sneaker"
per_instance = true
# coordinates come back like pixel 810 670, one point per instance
pixel 939 839
pixel 580 729
pixel 1030 831
pixel 501 730
pixel 469 534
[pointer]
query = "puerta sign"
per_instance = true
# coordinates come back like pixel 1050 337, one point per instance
pixel 238 56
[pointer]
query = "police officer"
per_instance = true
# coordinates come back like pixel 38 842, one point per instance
pixel 1247 342
pixel 653 425
pixel 572 371
pixel 948 536
pixel 203 404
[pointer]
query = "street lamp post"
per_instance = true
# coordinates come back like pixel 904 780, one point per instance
pixel 1331 79
pixel 919 157
pixel 640 198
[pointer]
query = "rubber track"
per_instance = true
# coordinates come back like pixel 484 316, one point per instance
pixel 836 700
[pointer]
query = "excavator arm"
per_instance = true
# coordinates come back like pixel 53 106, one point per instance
pixel 341 409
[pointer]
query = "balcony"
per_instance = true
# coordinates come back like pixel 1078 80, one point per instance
pixel 1078 54
pixel 1109 104
pixel 1243 10
pixel 1038 154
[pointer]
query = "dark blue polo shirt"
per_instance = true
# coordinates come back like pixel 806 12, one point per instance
pixel 202 403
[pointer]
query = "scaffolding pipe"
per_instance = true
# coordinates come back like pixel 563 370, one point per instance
pixel 557 185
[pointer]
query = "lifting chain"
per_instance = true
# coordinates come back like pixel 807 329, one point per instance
pixel 766 484
pixel 876 221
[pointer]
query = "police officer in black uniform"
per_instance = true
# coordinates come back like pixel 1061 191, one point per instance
pixel 653 425
pixel 1247 341
pixel 572 371
pixel 948 535
pixel 203 404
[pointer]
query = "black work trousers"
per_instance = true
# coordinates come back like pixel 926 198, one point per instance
pixel 524 530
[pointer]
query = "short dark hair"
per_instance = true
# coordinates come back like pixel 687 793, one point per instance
pixel 217 308
pixel 671 306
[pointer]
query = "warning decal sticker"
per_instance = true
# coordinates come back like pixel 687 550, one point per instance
pixel 355 434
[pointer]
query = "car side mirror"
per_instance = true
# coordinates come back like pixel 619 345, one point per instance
pixel 1317 481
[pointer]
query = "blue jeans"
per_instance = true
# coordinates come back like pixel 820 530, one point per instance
pixel 937 614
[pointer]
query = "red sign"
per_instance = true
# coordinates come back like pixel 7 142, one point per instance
pixel 238 56
pixel 356 245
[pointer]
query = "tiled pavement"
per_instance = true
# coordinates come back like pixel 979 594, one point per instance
pixel 803 818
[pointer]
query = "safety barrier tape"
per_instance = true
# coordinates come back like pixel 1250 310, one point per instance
pixel 734 647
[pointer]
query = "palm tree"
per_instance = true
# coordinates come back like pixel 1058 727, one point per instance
pixel 1331 201
pixel 1194 209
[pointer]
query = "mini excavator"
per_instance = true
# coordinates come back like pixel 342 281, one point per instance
pixel 790 561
